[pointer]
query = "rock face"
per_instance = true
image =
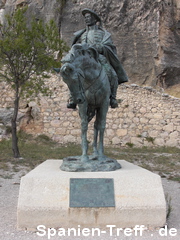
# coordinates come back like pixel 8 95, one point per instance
pixel 146 32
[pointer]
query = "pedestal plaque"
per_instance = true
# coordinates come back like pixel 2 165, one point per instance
pixel 92 192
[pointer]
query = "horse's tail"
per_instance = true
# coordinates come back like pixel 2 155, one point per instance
pixel 90 112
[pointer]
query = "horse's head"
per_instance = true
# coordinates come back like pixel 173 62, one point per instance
pixel 72 79
pixel 77 65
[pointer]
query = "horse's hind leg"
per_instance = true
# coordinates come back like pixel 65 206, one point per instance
pixel 101 127
pixel 101 155
pixel 95 151
pixel 84 127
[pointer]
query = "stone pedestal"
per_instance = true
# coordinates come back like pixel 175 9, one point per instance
pixel 44 199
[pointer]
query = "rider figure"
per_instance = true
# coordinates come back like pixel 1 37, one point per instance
pixel 94 35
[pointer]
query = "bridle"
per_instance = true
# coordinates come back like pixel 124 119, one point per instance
pixel 92 83
pixel 80 86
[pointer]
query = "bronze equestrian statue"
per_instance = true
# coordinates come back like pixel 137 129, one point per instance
pixel 94 35
pixel 92 73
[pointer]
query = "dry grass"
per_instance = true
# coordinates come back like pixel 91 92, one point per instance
pixel 164 161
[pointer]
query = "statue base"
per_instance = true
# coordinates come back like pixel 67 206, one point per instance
pixel 74 164
pixel 56 199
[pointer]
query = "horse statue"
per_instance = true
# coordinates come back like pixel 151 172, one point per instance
pixel 89 87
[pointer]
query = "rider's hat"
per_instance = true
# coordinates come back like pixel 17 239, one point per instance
pixel 87 10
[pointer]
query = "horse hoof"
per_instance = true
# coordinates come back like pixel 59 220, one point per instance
pixel 84 158
pixel 102 158
pixel 94 156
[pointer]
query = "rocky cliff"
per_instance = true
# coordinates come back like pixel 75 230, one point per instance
pixel 146 32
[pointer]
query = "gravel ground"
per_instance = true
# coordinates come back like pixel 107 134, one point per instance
pixel 9 189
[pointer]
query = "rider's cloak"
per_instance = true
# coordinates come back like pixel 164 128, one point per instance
pixel 108 50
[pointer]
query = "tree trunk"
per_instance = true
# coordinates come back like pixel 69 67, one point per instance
pixel 15 148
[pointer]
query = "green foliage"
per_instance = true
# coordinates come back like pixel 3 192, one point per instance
pixel 150 139
pixel 42 138
pixel 27 52
pixel 119 100
pixel 26 55
pixel 129 144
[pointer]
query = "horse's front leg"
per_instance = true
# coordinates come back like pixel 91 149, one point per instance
pixel 84 128
pixel 84 144
pixel 101 155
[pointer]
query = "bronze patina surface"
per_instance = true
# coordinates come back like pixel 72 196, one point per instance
pixel 91 192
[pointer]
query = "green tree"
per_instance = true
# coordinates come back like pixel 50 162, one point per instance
pixel 26 55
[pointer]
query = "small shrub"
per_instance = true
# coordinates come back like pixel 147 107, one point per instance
pixel 24 136
pixel 119 100
pixel 150 139
pixel 129 144
pixel 43 137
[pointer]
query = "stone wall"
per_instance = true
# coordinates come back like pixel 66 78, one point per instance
pixel 145 117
